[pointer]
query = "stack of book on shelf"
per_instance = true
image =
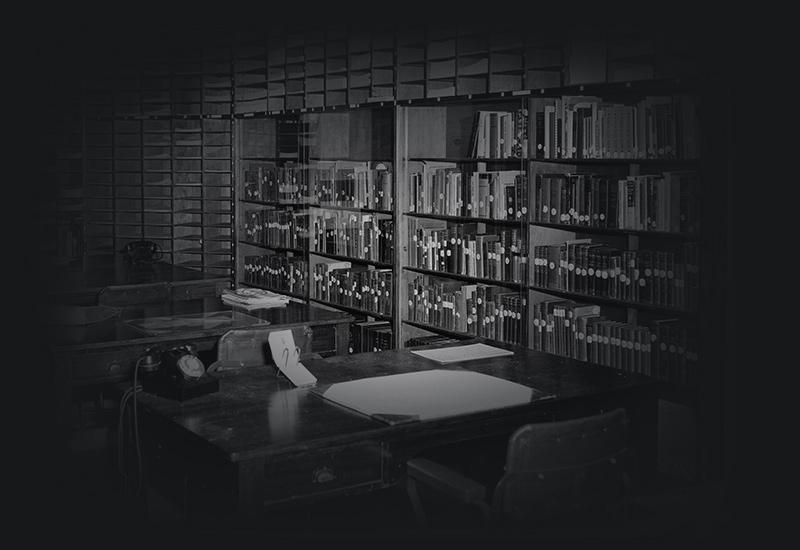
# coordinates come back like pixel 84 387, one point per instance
pixel 352 184
pixel 277 271
pixel 253 298
pixel 468 249
pixel 662 278
pixel 665 201
pixel 442 189
pixel 267 182
pixel 500 134
pixel 367 336
pixel 584 127
pixel 662 348
pixel 488 311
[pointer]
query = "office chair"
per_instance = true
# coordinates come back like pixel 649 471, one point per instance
pixel 560 470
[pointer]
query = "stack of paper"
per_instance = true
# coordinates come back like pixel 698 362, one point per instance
pixel 253 298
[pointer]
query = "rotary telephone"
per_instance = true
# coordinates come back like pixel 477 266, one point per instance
pixel 176 373
pixel 142 252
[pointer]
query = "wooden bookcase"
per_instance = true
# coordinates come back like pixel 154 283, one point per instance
pixel 326 183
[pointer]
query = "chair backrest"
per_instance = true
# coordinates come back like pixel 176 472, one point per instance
pixel 565 467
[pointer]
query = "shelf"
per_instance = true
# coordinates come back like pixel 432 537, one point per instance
pixel 613 301
pixel 349 259
pixel 353 310
pixel 466 278
pixel 469 159
pixel 278 203
pixel 613 231
pixel 584 161
pixel 351 209
pixel 438 330
pixel 271 247
pixel 277 291
pixel 466 219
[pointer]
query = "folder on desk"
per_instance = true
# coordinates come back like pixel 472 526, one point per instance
pixel 427 395
pixel 469 352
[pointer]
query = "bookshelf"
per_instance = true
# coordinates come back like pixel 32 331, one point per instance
pixel 464 216
pixel 272 206
pixel 351 221
pixel 615 228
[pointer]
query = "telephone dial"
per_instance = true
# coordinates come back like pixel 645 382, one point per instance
pixel 176 373
pixel 142 252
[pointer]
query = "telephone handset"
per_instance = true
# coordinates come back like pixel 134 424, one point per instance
pixel 143 251
pixel 180 374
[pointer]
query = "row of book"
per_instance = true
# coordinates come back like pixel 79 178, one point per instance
pixel 442 189
pixel 278 228
pixel 354 286
pixel 337 183
pixel 278 272
pixel 667 201
pixel 353 184
pixel 500 134
pixel 468 249
pixel 427 340
pixel 269 182
pixel 368 336
pixel 353 234
pixel 588 127
pixel 475 309
pixel 664 349
pixel 655 277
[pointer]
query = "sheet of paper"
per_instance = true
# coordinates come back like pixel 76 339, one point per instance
pixel 428 394
pixel 286 355
pixel 468 352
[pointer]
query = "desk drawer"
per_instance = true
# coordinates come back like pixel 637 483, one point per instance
pixel 322 471
pixel 110 365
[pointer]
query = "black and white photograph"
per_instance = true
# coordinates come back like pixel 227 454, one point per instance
pixel 404 274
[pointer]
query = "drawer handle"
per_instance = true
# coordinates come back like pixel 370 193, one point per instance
pixel 323 475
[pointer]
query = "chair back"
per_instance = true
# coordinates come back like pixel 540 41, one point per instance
pixel 565 467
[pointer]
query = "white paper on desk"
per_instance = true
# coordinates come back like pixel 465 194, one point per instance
pixel 454 354
pixel 428 394
pixel 286 355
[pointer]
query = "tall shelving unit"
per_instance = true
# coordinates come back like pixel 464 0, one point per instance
pixel 463 235
pixel 272 237
pixel 349 160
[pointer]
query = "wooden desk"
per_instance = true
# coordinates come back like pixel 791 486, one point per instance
pixel 106 353
pixel 258 442
pixel 81 283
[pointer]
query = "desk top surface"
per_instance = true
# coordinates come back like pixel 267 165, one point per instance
pixel 200 317
pixel 98 272
pixel 257 413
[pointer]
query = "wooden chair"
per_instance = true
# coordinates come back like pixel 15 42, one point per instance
pixel 561 470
